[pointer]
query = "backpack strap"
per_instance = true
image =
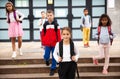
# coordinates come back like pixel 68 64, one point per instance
pixel 61 48
pixel 72 53
pixel 98 29
pixel 84 19
pixel 56 28
pixel 8 17
pixel 14 13
pixel 72 48
pixel 110 33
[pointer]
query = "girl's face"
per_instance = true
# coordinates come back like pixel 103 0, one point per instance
pixel 9 7
pixel 104 21
pixel 66 35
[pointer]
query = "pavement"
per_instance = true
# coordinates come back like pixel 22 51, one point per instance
pixel 34 50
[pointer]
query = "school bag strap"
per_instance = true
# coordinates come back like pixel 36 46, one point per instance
pixel 8 17
pixel 14 14
pixel 84 19
pixel 61 48
pixel 72 53
pixel 109 31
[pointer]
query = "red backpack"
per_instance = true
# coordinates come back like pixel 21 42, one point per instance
pixel 109 31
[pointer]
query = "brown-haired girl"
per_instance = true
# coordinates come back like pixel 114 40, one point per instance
pixel 15 28
pixel 66 54
pixel 105 37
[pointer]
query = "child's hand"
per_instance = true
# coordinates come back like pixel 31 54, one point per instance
pixel 59 59
pixel 73 58
pixel 18 20
pixel 40 23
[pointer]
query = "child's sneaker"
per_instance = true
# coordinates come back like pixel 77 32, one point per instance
pixel 95 61
pixel 47 63
pixel 20 52
pixel 105 71
pixel 85 46
pixel 88 45
pixel 51 72
pixel 14 55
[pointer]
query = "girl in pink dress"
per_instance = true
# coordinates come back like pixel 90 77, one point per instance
pixel 14 19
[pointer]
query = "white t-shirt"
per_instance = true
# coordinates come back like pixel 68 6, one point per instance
pixel 66 53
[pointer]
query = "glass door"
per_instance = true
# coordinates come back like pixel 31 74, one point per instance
pixel 32 11
pixel 38 6
pixel 77 8
pixel 61 12
pixel 67 12
pixel 23 6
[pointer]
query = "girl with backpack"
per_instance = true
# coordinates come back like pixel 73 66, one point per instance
pixel 105 37
pixel 15 28
pixel 66 54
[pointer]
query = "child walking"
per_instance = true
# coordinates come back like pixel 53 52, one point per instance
pixel 105 38
pixel 40 23
pixel 15 28
pixel 86 24
pixel 50 36
pixel 66 54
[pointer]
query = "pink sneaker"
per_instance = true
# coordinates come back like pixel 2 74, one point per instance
pixel 95 61
pixel 105 71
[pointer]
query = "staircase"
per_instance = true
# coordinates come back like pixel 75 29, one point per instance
pixel 36 69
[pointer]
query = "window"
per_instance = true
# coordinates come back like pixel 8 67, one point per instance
pixel 3 2
pixel 78 2
pixel 39 3
pixel 111 3
pixel 21 3
pixel 98 2
pixel 61 2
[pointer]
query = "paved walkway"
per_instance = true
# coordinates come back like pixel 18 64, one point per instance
pixel 33 50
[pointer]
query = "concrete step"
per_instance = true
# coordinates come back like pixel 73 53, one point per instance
pixel 41 61
pixel 86 75
pixel 42 68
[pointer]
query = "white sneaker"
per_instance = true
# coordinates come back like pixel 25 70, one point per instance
pixel 20 52
pixel 14 55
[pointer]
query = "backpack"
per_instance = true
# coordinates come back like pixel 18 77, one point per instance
pixel 109 31
pixel 14 14
pixel 81 27
pixel 72 53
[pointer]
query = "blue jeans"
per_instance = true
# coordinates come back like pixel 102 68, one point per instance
pixel 47 56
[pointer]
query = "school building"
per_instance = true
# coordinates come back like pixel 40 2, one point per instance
pixel 67 12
